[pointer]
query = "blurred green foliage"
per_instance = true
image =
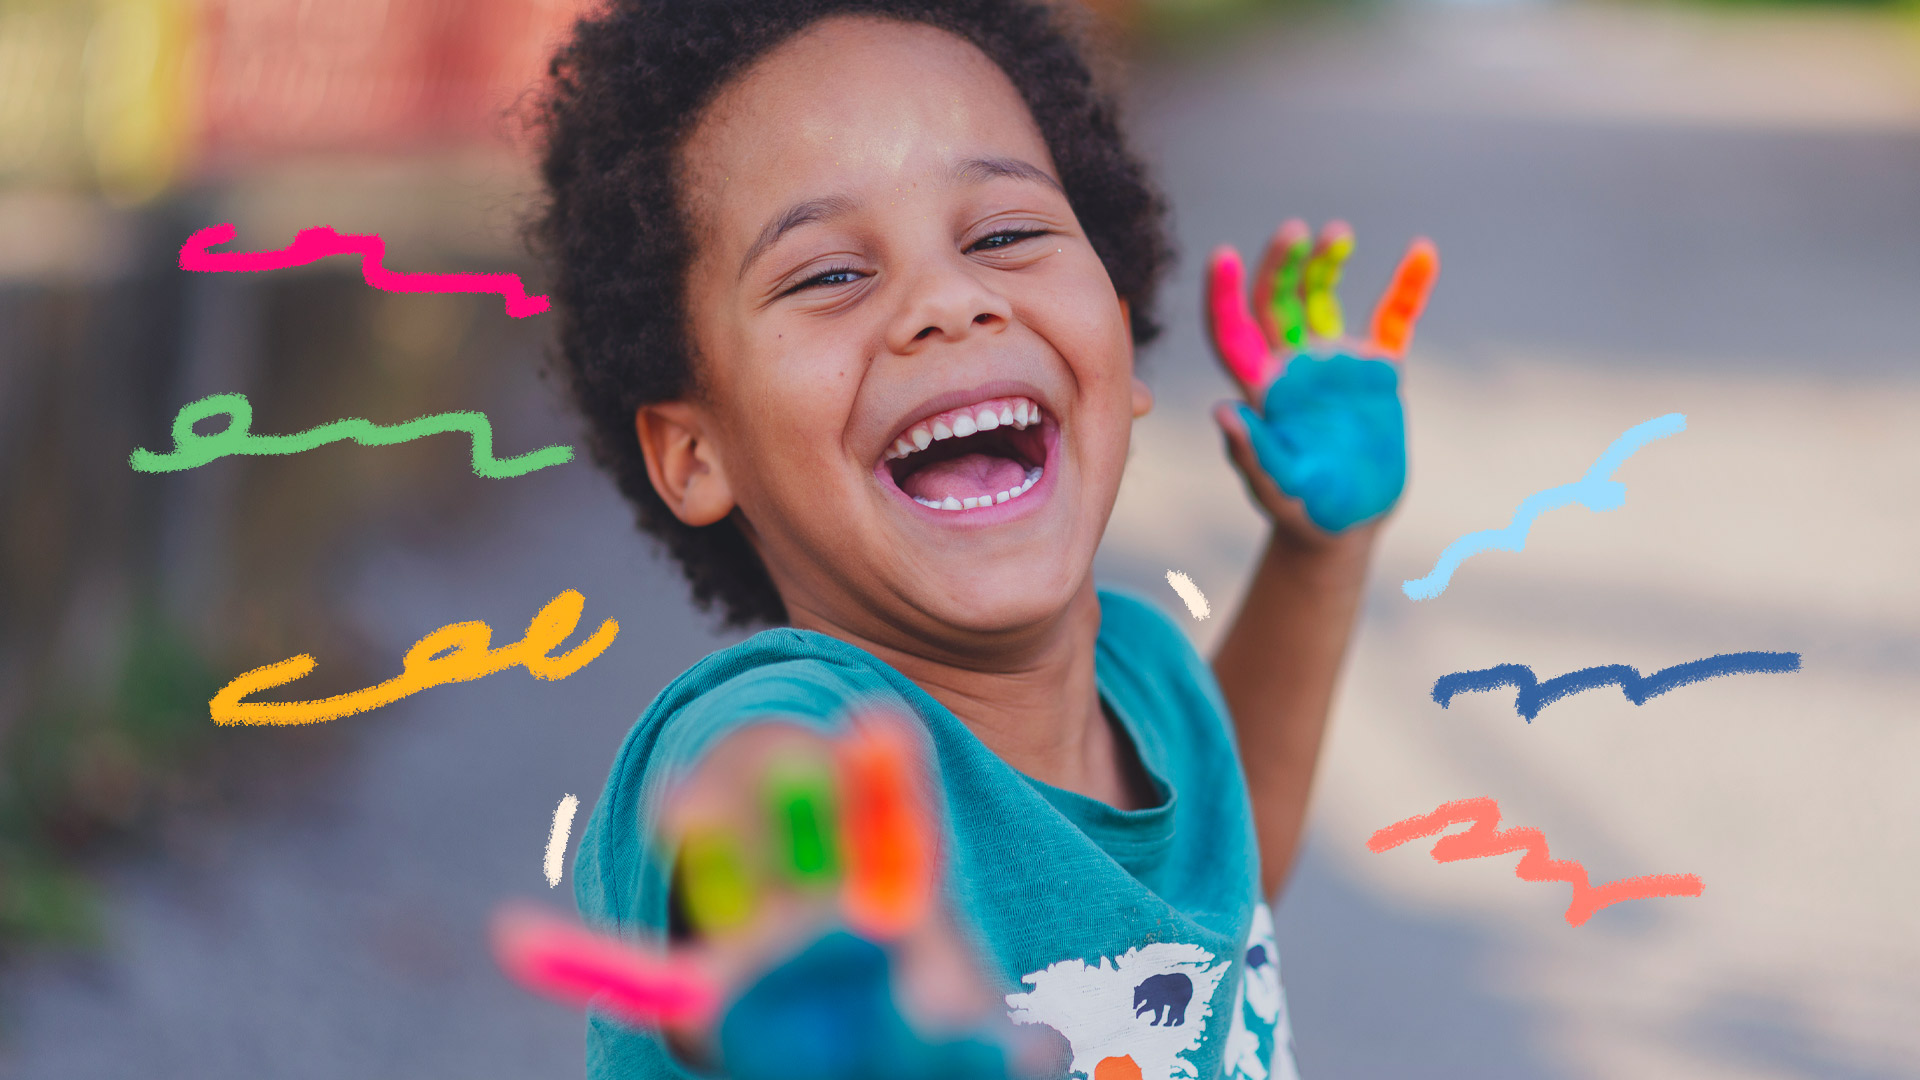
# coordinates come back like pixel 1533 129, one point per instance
pixel 86 765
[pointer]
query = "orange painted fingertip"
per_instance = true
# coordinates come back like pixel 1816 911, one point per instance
pixel 1406 299
pixel 886 832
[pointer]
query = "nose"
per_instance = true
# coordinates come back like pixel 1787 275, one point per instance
pixel 949 301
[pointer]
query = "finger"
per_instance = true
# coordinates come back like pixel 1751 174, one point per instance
pixel 729 828
pixel 1276 288
pixel 1234 427
pixel 887 834
pixel 1242 347
pixel 800 800
pixel 565 962
pixel 1405 298
pixel 1321 281
pixel 716 885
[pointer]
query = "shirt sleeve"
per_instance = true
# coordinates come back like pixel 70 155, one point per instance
pixel 810 693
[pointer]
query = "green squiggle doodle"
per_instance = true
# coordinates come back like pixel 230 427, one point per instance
pixel 192 450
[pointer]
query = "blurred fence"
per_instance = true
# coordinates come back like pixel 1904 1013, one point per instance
pixel 124 126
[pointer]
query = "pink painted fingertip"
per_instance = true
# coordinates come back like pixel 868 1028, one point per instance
pixel 570 964
pixel 1242 346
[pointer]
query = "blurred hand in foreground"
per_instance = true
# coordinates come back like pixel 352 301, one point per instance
pixel 810 941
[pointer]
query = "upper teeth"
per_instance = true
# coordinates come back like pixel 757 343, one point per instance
pixel 1018 413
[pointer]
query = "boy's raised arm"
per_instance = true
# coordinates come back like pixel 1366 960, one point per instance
pixel 1277 665
pixel 1324 455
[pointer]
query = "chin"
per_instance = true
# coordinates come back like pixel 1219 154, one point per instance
pixel 1005 595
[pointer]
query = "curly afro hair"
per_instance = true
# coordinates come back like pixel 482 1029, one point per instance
pixel 625 93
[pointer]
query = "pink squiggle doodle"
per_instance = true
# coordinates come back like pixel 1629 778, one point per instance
pixel 312 245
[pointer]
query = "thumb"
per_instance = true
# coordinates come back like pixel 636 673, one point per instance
pixel 1266 466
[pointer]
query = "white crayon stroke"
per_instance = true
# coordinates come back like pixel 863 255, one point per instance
pixel 1189 592
pixel 557 839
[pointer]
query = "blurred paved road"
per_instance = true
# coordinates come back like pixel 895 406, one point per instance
pixel 1614 252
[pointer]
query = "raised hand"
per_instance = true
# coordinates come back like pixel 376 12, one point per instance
pixel 1326 449
pixel 806 875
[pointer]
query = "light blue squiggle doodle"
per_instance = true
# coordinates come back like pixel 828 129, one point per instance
pixel 1596 491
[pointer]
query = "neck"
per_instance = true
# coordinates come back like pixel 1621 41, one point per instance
pixel 1035 705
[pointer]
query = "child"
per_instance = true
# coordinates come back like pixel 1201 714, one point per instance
pixel 851 290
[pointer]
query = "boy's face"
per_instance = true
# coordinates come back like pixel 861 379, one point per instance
pixel 917 380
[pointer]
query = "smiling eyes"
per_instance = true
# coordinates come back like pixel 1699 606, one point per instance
pixel 847 275
pixel 1005 238
pixel 839 275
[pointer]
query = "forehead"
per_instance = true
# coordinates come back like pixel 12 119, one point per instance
pixel 854 106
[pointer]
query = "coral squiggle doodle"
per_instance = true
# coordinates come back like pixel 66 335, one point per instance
pixel 312 245
pixel 1485 838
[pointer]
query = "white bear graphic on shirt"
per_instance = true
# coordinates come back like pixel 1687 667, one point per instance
pixel 1149 1006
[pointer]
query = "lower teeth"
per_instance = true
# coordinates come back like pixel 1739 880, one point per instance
pixel 951 503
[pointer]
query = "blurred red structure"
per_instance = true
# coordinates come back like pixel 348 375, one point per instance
pixel 297 76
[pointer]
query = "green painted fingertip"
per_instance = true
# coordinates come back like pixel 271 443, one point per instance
pixel 1289 314
pixel 802 800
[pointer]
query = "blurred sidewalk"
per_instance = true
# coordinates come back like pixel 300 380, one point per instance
pixel 1641 212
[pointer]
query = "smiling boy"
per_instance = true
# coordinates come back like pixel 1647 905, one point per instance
pixel 851 293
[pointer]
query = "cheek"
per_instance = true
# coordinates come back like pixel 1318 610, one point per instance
pixel 792 413
pixel 1092 327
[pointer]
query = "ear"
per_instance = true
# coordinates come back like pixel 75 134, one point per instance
pixel 1142 396
pixel 677 439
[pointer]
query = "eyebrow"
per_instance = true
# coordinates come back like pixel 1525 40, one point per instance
pixel 827 207
pixel 804 213
pixel 978 170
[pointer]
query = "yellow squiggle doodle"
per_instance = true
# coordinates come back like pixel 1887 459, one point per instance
pixel 458 652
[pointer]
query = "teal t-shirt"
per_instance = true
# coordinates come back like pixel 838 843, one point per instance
pixel 1140 936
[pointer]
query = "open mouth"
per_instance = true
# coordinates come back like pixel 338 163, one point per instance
pixel 963 459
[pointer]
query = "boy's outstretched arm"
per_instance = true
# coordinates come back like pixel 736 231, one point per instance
pixel 808 941
pixel 1323 451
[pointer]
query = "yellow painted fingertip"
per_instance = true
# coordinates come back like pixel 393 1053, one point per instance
pixel 1324 317
pixel 716 888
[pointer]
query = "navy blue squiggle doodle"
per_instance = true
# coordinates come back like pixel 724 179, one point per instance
pixel 1534 695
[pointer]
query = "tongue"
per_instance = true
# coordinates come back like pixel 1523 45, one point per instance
pixel 968 476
